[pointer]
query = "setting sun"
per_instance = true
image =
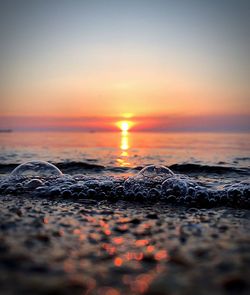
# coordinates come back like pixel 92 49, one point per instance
pixel 124 125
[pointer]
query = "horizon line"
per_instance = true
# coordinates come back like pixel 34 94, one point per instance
pixel 161 123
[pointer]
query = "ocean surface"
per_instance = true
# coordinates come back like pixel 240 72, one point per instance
pixel 210 163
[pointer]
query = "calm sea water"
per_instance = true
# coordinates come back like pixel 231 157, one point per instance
pixel 115 150
pixel 127 149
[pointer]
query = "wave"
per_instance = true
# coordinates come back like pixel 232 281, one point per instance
pixel 197 168
pixel 151 184
pixel 75 167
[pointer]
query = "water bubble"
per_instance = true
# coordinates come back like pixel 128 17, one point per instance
pixel 174 185
pixel 153 193
pixel 119 190
pixel 54 192
pixel 147 178
pixel 191 191
pixel 41 191
pixel 77 188
pixel 36 169
pixel 139 196
pixel 93 184
pixel 91 193
pixel 156 173
pixel 33 183
pixel 66 194
pixel 202 197
pixel 171 199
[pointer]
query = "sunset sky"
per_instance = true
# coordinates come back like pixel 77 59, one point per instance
pixel 168 65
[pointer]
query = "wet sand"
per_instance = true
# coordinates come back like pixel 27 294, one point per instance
pixel 103 248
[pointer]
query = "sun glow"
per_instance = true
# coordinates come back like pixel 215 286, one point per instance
pixel 124 125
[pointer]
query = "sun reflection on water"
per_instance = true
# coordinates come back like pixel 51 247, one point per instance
pixel 124 142
pixel 124 149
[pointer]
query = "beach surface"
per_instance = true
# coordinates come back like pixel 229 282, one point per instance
pixel 102 247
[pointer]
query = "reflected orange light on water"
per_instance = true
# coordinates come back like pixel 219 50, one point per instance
pixel 124 143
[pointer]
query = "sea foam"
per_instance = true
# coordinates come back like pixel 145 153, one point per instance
pixel 151 184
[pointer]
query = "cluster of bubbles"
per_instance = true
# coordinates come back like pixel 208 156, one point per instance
pixel 151 184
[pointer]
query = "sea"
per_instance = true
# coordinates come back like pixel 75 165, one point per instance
pixel 194 169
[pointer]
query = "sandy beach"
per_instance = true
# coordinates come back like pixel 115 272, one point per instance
pixel 103 248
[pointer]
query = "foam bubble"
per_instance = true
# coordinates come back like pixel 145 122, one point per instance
pixel 146 177
pixel 174 186
pixel 151 184
pixel 156 173
pixel 34 183
pixel 36 169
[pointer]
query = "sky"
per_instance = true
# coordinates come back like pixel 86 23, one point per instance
pixel 170 64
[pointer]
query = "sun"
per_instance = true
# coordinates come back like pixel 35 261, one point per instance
pixel 124 125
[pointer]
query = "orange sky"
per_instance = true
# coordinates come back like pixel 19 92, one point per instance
pixel 152 59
